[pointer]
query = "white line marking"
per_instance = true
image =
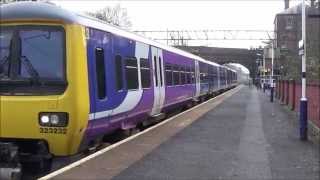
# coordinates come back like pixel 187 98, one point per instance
pixel 102 151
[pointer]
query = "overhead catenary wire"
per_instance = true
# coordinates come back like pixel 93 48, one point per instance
pixel 183 36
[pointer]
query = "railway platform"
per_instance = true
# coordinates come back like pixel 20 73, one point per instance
pixel 237 135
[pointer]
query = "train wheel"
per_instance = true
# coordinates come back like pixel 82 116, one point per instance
pixel 45 165
pixel 42 165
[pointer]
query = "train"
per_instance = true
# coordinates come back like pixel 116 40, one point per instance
pixel 68 80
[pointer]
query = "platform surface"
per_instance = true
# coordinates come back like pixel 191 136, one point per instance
pixel 239 136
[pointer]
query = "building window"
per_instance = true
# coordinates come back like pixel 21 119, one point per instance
pixel 132 73
pixel 145 73
pixel 289 23
pixel 100 73
pixel 118 71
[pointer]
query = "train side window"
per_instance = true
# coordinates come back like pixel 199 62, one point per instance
pixel 100 73
pixel 145 73
pixel 202 77
pixel 192 75
pixel 118 71
pixel 176 77
pixel 168 74
pixel 182 75
pixel 188 75
pixel 209 69
pixel 132 73
pixel 214 71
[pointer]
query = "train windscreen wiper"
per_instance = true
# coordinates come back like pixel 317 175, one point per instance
pixel 30 69
pixel 3 62
pixel 15 60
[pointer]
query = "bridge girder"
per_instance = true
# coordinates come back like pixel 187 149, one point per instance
pixel 244 57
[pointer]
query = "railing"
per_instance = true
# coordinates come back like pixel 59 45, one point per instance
pixel 289 93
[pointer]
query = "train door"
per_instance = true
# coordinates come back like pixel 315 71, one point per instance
pixel 219 77
pixel 158 80
pixel 226 77
pixel 0 114
pixel 99 51
pixel 210 77
pixel 197 78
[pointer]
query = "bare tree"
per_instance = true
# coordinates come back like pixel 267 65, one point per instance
pixel 116 15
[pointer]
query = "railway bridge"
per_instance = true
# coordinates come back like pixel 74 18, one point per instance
pixel 246 57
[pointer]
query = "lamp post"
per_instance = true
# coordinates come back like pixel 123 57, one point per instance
pixel 272 62
pixel 271 77
pixel 303 100
pixel 264 72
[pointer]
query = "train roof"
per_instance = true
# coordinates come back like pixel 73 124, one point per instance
pixel 42 11
pixel 228 68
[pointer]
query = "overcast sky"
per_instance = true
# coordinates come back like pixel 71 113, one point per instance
pixel 194 15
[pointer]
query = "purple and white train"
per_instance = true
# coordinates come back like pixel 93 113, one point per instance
pixel 68 80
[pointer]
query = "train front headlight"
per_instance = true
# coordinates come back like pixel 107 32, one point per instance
pixel 54 119
pixel 44 119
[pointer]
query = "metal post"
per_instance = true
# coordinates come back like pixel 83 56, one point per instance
pixel 167 37
pixel 303 100
pixel 264 70
pixel 271 77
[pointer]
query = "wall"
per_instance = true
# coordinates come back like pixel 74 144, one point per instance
pixel 289 93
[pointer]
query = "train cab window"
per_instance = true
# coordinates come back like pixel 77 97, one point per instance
pixel 33 53
pixel 145 73
pixel 132 73
pixel 176 77
pixel 118 71
pixel 168 74
pixel 100 73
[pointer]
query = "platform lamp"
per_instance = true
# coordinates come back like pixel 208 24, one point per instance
pixel 303 101
pixel 271 79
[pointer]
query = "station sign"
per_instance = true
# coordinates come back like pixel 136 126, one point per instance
pixel 301 48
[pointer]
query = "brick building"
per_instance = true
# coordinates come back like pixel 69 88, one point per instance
pixel 267 60
pixel 288 33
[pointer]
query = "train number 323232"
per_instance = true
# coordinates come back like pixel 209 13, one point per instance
pixel 51 130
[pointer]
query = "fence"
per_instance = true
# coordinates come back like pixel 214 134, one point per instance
pixel 289 93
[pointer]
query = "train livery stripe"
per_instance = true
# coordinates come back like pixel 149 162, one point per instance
pixel 133 97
